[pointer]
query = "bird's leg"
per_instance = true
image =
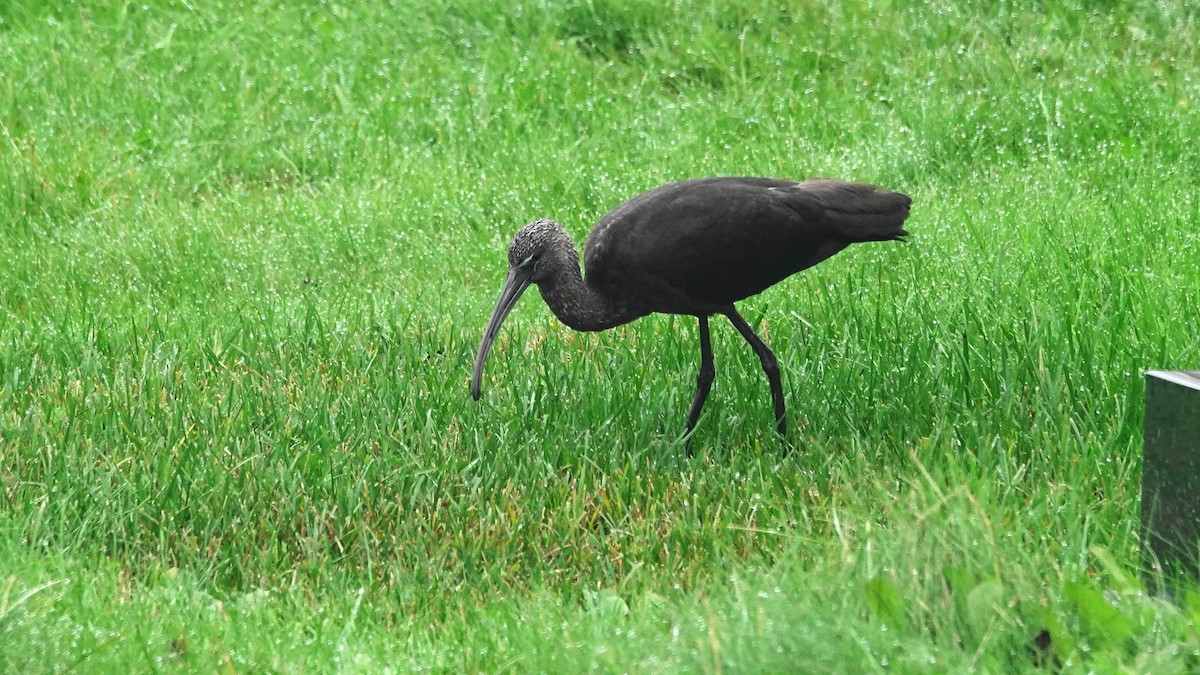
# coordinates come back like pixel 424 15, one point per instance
pixel 769 365
pixel 704 378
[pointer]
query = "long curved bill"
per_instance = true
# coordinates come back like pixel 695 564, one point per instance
pixel 516 283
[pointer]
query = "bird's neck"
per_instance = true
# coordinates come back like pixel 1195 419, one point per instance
pixel 580 305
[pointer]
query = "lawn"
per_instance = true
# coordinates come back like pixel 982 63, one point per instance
pixel 248 249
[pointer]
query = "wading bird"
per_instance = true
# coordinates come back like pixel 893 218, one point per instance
pixel 694 247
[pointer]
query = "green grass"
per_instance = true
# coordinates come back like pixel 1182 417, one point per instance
pixel 246 255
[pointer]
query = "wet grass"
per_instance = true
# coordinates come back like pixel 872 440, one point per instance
pixel 247 251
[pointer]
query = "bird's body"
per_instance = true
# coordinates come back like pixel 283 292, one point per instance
pixel 727 239
pixel 695 247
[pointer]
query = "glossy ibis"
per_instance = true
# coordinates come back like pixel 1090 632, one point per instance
pixel 694 247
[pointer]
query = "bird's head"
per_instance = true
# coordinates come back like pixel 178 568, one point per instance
pixel 538 250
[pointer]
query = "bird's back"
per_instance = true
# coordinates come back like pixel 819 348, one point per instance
pixel 698 246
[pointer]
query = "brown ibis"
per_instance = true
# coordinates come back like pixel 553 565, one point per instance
pixel 694 247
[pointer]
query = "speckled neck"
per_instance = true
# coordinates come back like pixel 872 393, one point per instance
pixel 575 302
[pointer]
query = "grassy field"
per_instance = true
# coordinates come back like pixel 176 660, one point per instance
pixel 247 250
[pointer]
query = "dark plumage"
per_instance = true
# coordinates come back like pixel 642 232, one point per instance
pixel 694 247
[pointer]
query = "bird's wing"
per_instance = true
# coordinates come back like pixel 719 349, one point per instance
pixel 856 211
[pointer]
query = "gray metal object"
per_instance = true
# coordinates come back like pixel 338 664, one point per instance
pixel 1171 475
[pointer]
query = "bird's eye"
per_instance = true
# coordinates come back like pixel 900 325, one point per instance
pixel 528 259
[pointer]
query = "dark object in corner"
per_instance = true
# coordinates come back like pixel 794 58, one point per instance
pixel 1171 477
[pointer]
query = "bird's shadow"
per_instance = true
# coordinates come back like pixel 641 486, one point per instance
pixel 695 445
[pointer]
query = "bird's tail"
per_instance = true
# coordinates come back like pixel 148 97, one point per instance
pixel 860 211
